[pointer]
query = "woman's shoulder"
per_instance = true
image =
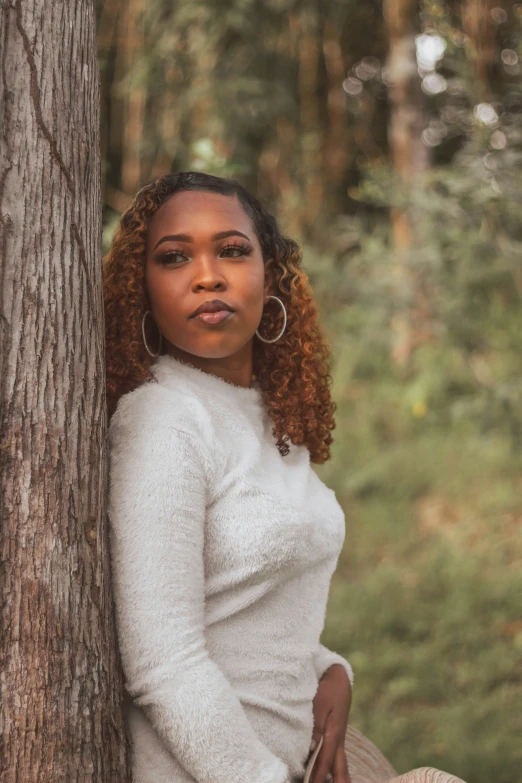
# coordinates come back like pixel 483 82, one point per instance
pixel 153 406
pixel 163 421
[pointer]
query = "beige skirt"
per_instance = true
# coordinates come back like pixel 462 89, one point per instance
pixel 366 764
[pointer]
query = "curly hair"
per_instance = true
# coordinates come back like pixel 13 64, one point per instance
pixel 292 373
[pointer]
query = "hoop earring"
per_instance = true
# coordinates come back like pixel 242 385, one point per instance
pixel 284 324
pixel 155 355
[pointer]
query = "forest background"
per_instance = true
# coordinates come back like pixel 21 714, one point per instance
pixel 386 137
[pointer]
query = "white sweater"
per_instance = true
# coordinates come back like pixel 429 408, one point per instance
pixel 222 552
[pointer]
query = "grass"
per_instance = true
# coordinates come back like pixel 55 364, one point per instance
pixel 426 601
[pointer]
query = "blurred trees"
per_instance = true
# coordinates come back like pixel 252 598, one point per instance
pixel 242 88
pixel 386 137
pixel 409 155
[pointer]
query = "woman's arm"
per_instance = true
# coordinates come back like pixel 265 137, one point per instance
pixel 324 658
pixel 157 516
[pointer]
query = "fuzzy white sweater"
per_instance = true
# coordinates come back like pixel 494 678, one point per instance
pixel 222 552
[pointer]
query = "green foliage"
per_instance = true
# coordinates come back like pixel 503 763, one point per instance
pixel 438 669
pixel 427 463
pixel 426 600
pixel 460 284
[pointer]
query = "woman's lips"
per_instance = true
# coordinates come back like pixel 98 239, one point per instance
pixel 214 318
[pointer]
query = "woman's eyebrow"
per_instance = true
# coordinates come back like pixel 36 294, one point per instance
pixel 188 238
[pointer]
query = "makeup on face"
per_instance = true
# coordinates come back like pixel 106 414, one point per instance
pixel 213 319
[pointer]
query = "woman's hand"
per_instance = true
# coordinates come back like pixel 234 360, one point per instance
pixel 331 707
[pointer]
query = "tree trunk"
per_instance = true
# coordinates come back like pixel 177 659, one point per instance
pixel 409 154
pixel 131 32
pixel 481 31
pixel 309 48
pixel 61 683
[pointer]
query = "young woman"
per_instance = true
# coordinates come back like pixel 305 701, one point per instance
pixel 223 538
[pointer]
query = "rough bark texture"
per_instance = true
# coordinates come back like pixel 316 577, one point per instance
pixel 60 677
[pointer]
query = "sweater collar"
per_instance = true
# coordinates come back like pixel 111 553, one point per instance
pixel 171 371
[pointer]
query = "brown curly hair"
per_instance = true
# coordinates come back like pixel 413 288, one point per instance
pixel 292 373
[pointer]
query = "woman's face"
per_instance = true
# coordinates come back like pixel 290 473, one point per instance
pixel 202 246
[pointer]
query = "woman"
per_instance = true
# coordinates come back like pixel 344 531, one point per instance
pixel 223 538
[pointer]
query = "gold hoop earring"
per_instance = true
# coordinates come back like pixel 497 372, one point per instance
pixel 155 355
pixel 284 324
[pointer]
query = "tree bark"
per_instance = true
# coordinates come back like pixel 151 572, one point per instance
pixel 60 675
pixel 131 32
pixel 409 154
pixel 481 31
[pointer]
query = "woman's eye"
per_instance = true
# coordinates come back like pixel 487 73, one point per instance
pixel 241 250
pixel 168 257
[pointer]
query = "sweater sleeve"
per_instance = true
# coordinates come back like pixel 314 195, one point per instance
pixel 157 502
pixel 324 658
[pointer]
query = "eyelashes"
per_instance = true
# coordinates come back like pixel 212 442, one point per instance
pixel 169 256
